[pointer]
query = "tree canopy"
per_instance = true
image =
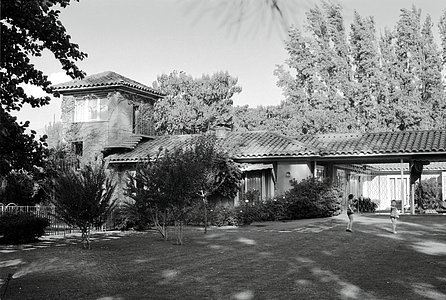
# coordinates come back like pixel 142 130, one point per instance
pixel 339 80
pixel 174 181
pixel 194 105
pixel 28 29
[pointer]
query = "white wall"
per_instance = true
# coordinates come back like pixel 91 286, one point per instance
pixel 297 171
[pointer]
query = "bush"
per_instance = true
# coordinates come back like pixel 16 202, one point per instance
pixel 21 228
pixel 19 189
pixel 366 205
pixel 428 194
pixel 223 216
pixel 312 198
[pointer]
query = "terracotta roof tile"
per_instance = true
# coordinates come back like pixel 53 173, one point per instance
pixel 263 144
pixel 104 79
pixel 253 144
pixel 378 143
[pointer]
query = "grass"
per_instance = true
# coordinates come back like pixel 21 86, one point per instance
pixel 307 259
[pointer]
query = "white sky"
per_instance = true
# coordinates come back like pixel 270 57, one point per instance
pixel 142 39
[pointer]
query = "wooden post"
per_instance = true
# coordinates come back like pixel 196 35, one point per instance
pixel 412 192
pixel 315 169
pixel 402 185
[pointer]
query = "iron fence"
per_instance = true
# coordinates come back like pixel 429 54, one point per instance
pixel 56 227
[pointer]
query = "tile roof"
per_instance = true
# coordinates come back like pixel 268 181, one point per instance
pixel 401 142
pixel 264 144
pixel 239 145
pixel 104 79
pixel 254 144
pixel 432 166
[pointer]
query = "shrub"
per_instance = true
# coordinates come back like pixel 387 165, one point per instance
pixel 312 198
pixel 19 189
pixel 128 216
pixel 223 216
pixel 428 193
pixel 366 205
pixel 22 228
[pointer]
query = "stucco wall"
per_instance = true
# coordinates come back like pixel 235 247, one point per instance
pixel 115 126
pixel 297 171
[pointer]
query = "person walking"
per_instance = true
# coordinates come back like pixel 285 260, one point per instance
pixel 394 215
pixel 350 212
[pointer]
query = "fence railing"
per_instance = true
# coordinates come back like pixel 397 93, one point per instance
pixel 56 227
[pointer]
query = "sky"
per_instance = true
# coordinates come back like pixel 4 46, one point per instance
pixel 142 39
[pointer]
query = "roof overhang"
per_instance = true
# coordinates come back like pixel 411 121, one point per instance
pixel 108 88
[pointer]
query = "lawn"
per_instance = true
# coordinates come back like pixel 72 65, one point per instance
pixel 307 259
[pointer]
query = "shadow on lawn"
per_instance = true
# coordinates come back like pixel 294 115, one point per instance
pixel 425 239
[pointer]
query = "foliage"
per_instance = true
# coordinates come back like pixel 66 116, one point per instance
pixel 428 193
pixel 360 82
pixel 30 28
pixel 365 204
pixel 194 105
pixel 21 228
pixel 128 216
pixel 19 189
pixel 83 198
pixel 177 181
pixel 312 198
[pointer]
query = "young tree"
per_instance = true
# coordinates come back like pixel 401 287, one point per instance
pixel 217 174
pixel 28 29
pixel 194 105
pixel 172 182
pixel 83 198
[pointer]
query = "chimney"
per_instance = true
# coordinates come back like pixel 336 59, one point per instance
pixel 221 131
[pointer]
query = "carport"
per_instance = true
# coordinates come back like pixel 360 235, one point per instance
pixel 412 149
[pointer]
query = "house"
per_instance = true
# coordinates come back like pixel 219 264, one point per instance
pixel 104 113
pixel 110 116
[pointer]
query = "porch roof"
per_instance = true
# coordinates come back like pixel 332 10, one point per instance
pixel 239 145
pixel 104 80
pixel 401 144
pixel 254 146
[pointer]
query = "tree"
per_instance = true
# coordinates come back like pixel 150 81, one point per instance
pixel 217 174
pixel 362 84
pixel 28 29
pixel 83 198
pixel 174 181
pixel 319 86
pixel 194 105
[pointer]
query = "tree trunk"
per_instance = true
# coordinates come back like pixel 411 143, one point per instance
pixel 205 215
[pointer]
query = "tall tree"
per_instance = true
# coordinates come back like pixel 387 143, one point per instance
pixel 363 84
pixel 320 89
pixel 368 91
pixel 432 95
pixel 194 105
pixel 28 29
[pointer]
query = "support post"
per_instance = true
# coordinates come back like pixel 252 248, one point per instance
pixel 412 192
pixel 314 169
pixel 402 185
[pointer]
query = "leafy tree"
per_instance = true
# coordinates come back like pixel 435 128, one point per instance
pixel 83 198
pixel 172 183
pixel 28 29
pixel 194 105
pixel 368 91
pixel 217 174
pixel 19 189
pixel 362 84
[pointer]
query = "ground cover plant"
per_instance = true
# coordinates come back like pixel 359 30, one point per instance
pixel 305 259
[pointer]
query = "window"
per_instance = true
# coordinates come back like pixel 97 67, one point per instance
pixel 320 172
pixel 93 109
